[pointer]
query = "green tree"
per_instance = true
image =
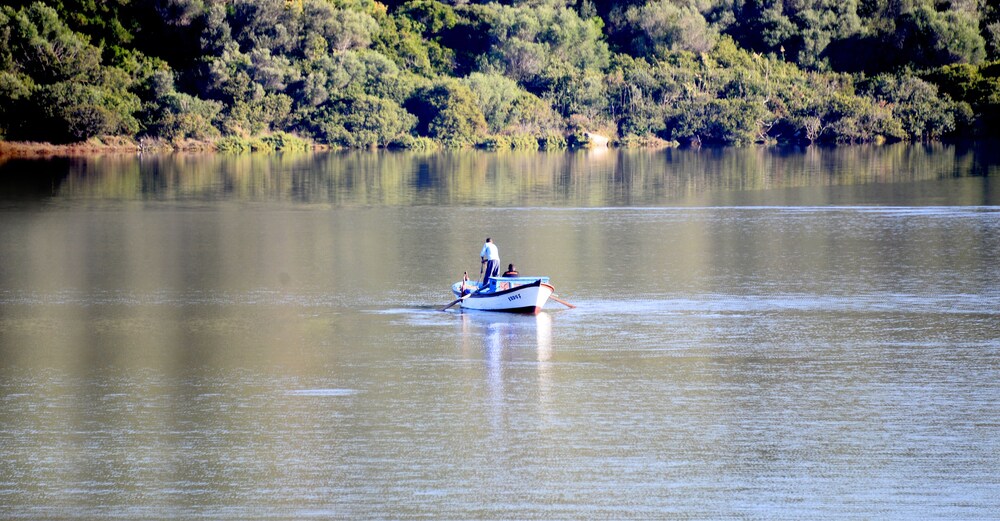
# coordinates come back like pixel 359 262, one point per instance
pixel 509 108
pixel 917 34
pixel 854 119
pixel 820 23
pixel 497 96
pixel 664 26
pixel 978 87
pixel 448 111
pixel 725 121
pixel 54 85
pixel 72 111
pixel 109 23
pixel 175 115
pixel 360 122
pixel 414 36
pixel 990 27
pixel 42 46
pixel 762 25
pixel 915 104
pixel 543 47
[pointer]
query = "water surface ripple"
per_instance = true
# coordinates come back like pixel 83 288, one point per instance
pixel 261 338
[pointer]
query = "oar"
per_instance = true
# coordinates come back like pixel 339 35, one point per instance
pixel 561 301
pixel 459 299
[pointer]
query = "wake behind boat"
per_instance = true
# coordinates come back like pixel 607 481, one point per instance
pixel 511 294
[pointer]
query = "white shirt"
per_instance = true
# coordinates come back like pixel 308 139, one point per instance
pixel 490 252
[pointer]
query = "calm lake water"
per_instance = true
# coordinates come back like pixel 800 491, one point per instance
pixel 760 333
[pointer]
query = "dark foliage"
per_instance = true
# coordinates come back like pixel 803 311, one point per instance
pixel 358 73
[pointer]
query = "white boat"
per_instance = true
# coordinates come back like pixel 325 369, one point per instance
pixel 510 294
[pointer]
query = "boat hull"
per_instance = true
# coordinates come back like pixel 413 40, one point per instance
pixel 527 298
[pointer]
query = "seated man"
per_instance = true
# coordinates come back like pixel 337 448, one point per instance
pixel 511 271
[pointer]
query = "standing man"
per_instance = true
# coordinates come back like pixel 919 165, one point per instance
pixel 490 256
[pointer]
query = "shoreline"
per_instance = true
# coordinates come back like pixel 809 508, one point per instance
pixel 38 149
pixel 111 145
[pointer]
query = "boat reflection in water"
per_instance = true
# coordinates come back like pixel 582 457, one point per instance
pixel 515 349
pixel 499 333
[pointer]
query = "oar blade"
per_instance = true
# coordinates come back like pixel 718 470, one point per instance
pixel 563 302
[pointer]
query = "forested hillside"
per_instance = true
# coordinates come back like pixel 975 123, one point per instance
pixel 423 73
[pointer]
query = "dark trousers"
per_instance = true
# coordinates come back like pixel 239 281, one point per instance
pixel 492 269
